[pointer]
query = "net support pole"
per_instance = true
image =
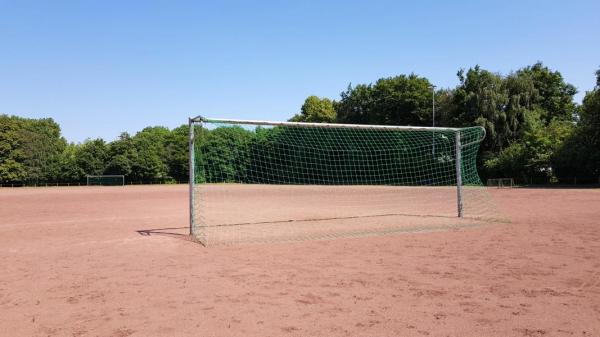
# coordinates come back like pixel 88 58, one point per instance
pixel 191 173
pixel 458 175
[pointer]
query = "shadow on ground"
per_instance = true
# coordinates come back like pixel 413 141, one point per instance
pixel 175 232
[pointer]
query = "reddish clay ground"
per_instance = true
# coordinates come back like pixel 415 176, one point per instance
pixel 246 213
pixel 93 262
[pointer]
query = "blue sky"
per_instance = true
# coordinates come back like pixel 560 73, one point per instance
pixel 102 67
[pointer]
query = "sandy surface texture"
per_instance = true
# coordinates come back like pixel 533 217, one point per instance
pixel 117 262
pixel 244 213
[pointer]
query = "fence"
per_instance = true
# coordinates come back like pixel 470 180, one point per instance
pixel 519 181
pixel 69 184
pixel 557 181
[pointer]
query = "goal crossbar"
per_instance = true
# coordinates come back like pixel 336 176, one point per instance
pixel 200 119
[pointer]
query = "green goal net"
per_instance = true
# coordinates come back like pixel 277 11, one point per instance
pixel 255 181
pixel 106 180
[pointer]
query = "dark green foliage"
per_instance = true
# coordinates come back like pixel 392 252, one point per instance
pixel 69 169
pixel 176 153
pixel 580 154
pixel 91 157
pixel 224 154
pixel 400 100
pixel 480 99
pixel 531 157
pixel 12 168
pixel 551 93
pixel 122 153
pixel 30 149
pixel 316 110
pixel 150 162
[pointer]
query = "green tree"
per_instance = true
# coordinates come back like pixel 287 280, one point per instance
pixel 41 145
pixel 532 155
pixel 150 164
pixel 70 171
pixel 122 154
pixel 399 100
pixel 225 154
pixel 92 156
pixel 553 95
pixel 501 104
pixel 480 99
pixel 316 110
pixel 12 168
pixel 176 153
pixel 30 150
pixel 590 112
pixel 580 155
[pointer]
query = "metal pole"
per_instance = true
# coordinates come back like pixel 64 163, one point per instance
pixel 458 175
pixel 433 125
pixel 191 174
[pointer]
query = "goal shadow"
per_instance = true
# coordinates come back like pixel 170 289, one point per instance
pixel 181 233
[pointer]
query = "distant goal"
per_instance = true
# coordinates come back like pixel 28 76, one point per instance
pixel 500 182
pixel 106 180
pixel 264 181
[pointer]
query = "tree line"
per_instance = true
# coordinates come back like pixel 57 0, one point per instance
pixel 32 151
pixel 536 132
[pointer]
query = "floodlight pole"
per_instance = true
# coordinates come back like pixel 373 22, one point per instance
pixel 458 175
pixel 191 173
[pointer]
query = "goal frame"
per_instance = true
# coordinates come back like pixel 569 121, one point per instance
pixel 500 182
pixel 200 120
pixel 87 178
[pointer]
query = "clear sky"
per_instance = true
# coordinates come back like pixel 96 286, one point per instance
pixel 102 67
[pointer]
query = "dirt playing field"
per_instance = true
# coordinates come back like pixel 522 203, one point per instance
pixel 247 213
pixel 116 262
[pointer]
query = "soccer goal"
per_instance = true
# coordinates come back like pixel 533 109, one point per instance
pixel 106 180
pixel 500 182
pixel 262 181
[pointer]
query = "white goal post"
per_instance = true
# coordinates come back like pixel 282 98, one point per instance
pixel 231 158
pixel 105 180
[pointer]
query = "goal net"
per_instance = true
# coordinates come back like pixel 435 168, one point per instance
pixel 500 182
pixel 255 181
pixel 106 180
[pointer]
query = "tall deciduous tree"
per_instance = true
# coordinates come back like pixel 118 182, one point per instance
pixel 225 151
pixel 553 95
pixel 580 155
pixel 399 100
pixel 12 168
pixel 176 153
pixel 39 146
pixel 69 169
pixel 150 162
pixel 480 99
pixel 316 110
pixel 122 154
pixel 92 156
